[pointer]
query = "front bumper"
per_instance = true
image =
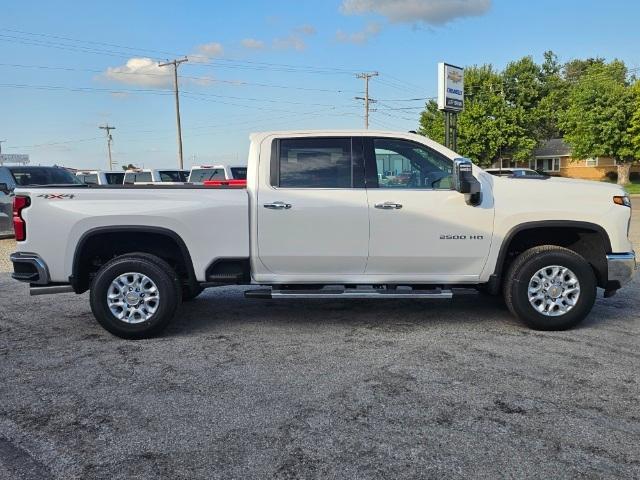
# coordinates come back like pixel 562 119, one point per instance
pixel 621 267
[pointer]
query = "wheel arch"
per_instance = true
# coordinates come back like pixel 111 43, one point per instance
pixel 147 239
pixel 585 238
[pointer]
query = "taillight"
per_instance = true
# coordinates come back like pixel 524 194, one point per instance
pixel 226 183
pixel 19 225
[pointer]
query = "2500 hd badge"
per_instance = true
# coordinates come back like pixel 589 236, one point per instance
pixel 461 237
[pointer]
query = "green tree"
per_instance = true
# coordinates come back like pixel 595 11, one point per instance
pixel 634 123
pixel 489 126
pixel 598 118
pixel 129 167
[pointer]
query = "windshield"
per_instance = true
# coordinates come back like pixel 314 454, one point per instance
pixel 114 178
pixel 25 176
pixel 172 176
pixel 204 174
pixel 239 173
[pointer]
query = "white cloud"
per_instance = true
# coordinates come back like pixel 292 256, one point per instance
pixel 371 30
pixel 295 40
pixel 306 29
pixel 206 52
pixel 143 72
pixel 252 44
pixel 431 12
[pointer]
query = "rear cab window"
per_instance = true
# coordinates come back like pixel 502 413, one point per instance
pixel 114 178
pixel 89 179
pixel 204 174
pixel 172 176
pixel 239 173
pixel 135 177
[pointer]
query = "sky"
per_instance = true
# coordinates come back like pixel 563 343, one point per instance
pixel 69 66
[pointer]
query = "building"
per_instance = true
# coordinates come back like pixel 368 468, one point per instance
pixel 554 157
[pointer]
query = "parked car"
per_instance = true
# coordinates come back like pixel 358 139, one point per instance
pixel 315 222
pixel 203 173
pixel 101 177
pixel 516 172
pixel 146 175
pixel 12 176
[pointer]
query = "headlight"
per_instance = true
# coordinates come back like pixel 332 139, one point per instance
pixel 623 200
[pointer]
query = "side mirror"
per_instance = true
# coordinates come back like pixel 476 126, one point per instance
pixel 4 188
pixel 464 181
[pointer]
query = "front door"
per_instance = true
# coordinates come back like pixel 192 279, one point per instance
pixel 313 217
pixel 421 228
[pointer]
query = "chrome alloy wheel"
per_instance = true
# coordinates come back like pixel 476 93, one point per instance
pixel 553 290
pixel 133 298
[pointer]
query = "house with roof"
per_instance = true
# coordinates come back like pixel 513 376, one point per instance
pixel 554 157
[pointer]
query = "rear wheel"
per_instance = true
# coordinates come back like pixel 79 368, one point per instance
pixel 135 296
pixel 550 288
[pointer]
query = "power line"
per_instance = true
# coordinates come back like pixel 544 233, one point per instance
pixel 237 83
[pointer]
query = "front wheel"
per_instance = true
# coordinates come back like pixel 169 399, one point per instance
pixel 550 288
pixel 135 296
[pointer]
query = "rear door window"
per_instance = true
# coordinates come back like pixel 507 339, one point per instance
pixel 315 163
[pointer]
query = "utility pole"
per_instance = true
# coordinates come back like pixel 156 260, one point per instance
pixel 366 76
pixel 1 142
pixel 108 129
pixel 175 64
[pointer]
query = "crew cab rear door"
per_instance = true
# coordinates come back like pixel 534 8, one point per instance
pixel 422 229
pixel 312 211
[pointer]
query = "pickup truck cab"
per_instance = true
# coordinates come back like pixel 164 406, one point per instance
pixel 101 177
pixel 330 214
pixel 204 173
pixel 146 175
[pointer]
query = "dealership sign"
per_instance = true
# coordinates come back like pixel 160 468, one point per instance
pixel 450 87
pixel 13 158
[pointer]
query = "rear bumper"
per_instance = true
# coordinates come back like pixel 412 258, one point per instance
pixel 29 267
pixel 621 267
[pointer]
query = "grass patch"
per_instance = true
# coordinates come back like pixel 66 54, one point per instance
pixel 633 188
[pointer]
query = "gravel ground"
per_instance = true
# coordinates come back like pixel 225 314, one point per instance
pixel 7 247
pixel 318 389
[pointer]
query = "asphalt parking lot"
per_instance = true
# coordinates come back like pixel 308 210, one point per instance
pixel 318 389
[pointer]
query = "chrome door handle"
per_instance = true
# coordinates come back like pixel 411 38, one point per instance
pixel 389 206
pixel 277 206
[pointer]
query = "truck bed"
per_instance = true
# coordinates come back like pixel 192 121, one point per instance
pixel 212 222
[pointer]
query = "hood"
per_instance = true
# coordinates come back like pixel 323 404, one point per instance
pixel 560 183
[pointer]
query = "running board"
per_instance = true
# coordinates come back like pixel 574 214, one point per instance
pixel 338 292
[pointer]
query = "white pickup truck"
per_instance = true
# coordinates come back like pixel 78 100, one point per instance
pixel 331 214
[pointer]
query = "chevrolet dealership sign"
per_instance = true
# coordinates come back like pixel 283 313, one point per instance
pixel 450 87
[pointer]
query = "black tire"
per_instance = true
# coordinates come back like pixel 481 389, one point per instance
pixel 189 292
pixel 159 272
pixel 523 269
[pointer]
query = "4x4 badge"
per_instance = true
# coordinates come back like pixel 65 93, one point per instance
pixel 57 196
